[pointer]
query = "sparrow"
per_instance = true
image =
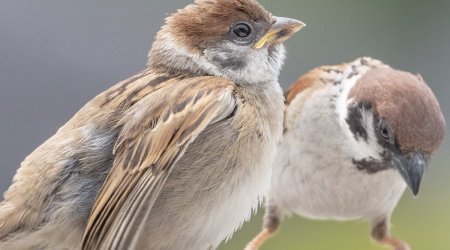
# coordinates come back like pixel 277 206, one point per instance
pixel 355 136
pixel 175 157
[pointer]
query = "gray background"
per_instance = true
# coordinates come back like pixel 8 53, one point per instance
pixel 56 55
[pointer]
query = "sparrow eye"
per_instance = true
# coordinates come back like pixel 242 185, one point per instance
pixel 242 30
pixel 385 131
pixel 241 33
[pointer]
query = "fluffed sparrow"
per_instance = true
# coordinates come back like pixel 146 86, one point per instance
pixel 175 157
pixel 355 136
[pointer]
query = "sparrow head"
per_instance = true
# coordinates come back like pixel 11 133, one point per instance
pixel 395 121
pixel 235 39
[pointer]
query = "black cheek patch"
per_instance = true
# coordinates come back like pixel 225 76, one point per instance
pixel 232 63
pixel 355 119
pixel 371 166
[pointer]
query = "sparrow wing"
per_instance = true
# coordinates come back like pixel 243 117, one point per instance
pixel 155 134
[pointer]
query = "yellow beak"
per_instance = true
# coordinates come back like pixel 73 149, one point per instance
pixel 281 30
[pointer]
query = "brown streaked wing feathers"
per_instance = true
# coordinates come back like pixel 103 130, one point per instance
pixel 155 134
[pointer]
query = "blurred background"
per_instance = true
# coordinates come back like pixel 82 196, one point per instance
pixel 57 55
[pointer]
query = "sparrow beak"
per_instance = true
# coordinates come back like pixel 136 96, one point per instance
pixel 411 168
pixel 281 30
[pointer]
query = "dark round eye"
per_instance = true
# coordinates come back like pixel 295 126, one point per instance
pixel 242 30
pixel 385 131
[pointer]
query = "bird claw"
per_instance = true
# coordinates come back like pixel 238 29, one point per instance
pixel 257 242
pixel 396 244
pixel 251 247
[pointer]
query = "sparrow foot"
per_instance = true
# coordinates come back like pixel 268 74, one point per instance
pixel 259 240
pixel 381 234
pixel 396 244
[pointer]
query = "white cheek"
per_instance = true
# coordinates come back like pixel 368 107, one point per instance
pixel 362 148
pixel 370 147
pixel 259 67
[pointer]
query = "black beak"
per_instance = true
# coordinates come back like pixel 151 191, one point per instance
pixel 411 167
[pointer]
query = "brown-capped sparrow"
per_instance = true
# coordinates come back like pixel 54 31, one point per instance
pixel 175 157
pixel 356 135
